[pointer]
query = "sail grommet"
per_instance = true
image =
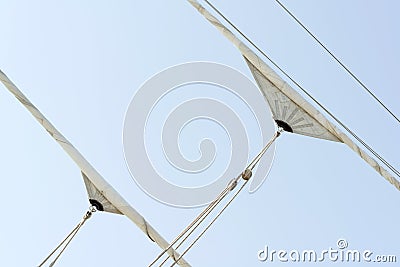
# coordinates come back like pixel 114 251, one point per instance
pixel 93 208
pixel 96 204
pixel 284 126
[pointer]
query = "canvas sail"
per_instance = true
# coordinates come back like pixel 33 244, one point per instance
pixel 286 103
pixel 98 188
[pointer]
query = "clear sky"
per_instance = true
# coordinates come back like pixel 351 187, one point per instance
pixel 80 62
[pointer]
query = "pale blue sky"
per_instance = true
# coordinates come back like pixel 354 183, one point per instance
pixel 80 63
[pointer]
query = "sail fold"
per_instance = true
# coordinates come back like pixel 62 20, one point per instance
pixel 96 185
pixel 96 197
pixel 289 115
pixel 286 104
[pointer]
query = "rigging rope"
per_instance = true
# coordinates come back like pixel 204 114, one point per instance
pixel 387 164
pixel 245 175
pixel 205 212
pixel 338 61
pixel 68 238
pixel 192 229
pixel 209 225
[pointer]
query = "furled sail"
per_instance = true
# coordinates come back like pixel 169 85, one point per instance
pixel 290 110
pixel 96 198
pixel 99 190
pixel 287 114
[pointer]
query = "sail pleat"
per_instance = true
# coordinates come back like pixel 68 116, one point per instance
pixel 285 111
pixel 307 119
pixel 98 185
pixel 96 197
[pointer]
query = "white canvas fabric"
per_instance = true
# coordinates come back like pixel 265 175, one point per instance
pixel 286 111
pixel 96 184
pixel 97 199
pixel 279 94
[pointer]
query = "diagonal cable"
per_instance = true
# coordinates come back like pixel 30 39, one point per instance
pixel 377 155
pixel 338 61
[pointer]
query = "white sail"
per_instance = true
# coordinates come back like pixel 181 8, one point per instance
pixel 286 113
pixel 98 188
pixel 277 91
